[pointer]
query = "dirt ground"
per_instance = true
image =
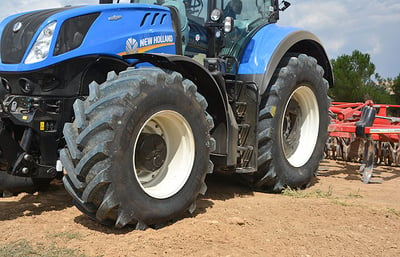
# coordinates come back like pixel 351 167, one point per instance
pixel 337 215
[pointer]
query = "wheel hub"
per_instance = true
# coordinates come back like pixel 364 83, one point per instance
pixel 291 127
pixel 151 152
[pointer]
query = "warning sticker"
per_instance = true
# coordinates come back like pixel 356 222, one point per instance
pixel 42 126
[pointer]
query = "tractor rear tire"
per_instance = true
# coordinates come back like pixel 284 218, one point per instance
pixel 293 123
pixel 139 148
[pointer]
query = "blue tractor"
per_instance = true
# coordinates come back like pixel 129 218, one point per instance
pixel 133 104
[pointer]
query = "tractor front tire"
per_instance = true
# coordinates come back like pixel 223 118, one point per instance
pixel 139 148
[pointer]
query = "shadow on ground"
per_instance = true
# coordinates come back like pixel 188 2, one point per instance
pixel 351 170
pixel 219 187
pixel 55 198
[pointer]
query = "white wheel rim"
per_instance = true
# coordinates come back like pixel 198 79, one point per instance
pixel 180 153
pixel 307 127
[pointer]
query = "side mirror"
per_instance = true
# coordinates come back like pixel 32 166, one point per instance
pixel 285 5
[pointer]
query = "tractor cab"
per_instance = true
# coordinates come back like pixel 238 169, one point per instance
pixel 219 27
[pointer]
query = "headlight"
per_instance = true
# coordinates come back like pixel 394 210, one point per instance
pixel 216 15
pixel 40 49
pixel 228 24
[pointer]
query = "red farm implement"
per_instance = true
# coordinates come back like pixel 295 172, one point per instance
pixel 365 132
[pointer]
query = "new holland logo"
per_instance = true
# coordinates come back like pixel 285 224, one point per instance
pixel 17 27
pixel 131 46
pixel 115 17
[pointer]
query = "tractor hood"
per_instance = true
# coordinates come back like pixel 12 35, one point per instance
pixel 42 38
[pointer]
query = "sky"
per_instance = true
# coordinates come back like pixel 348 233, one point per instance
pixel 370 26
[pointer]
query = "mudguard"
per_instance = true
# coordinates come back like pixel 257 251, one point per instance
pixel 266 48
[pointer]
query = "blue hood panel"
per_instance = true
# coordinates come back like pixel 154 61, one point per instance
pixel 118 29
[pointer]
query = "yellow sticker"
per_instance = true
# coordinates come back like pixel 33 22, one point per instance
pixel 273 110
pixel 24 117
pixel 41 126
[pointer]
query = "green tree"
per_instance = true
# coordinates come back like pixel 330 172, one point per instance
pixel 396 89
pixel 353 80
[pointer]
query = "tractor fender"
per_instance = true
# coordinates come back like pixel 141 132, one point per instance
pixel 266 48
pixel 190 69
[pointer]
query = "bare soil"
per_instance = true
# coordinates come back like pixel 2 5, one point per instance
pixel 337 215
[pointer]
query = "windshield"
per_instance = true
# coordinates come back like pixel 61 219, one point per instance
pixel 246 11
pixel 248 15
